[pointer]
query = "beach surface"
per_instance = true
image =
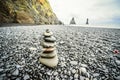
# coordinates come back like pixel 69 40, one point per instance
pixel 84 53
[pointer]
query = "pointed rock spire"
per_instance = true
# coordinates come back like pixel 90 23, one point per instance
pixel 72 21
pixel 49 56
pixel 87 21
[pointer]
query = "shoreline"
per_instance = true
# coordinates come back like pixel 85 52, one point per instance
pixel 36 25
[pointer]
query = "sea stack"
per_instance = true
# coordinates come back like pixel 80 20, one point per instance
pixel 87 21
pixel 72 21
pixel 49 56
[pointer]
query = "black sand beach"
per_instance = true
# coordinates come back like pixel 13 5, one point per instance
pixel 78 48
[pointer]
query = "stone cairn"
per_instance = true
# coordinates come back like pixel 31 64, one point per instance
pixel 49 56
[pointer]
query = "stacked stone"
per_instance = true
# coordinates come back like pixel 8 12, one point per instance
pixel 49 56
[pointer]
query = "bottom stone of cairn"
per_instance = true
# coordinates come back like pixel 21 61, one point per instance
pixel 51 62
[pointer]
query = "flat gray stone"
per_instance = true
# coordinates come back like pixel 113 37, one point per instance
pixel 50 39
pixel 48 44
pixel 49 55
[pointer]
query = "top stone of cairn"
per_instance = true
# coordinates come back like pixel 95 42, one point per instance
pixel 48 33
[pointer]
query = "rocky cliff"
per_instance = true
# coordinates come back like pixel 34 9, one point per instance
pixel 27 12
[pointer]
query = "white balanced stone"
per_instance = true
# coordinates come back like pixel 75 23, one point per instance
pixel 50 62
pixel 48 34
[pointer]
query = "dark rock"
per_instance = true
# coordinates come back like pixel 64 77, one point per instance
pixel 72 21
pixel 50 39
pixel 117 56
pixel 48 55
pixel 87 21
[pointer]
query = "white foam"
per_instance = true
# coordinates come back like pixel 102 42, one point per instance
pixel 115 27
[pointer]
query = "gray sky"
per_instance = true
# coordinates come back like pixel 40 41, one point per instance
pixel 98 11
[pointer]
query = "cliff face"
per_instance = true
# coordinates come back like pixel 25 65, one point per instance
pixel 27 11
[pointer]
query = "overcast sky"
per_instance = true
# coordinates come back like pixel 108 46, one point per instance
pixel 98 11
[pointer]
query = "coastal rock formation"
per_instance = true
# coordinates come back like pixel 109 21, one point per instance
pixel 49 55
pixel 72 21
pixel 27 11
pixel 87 21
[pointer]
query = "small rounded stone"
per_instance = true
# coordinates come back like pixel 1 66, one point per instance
pixel 26 77
pixel 48 44
pixel 74 62
pixel 73 71
pixel 49 55
pixel 84 65
pixel 47 34
pixel 76 76
pixel 16 72
pixel 55 73
pixel 83 70
pixel 50 39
